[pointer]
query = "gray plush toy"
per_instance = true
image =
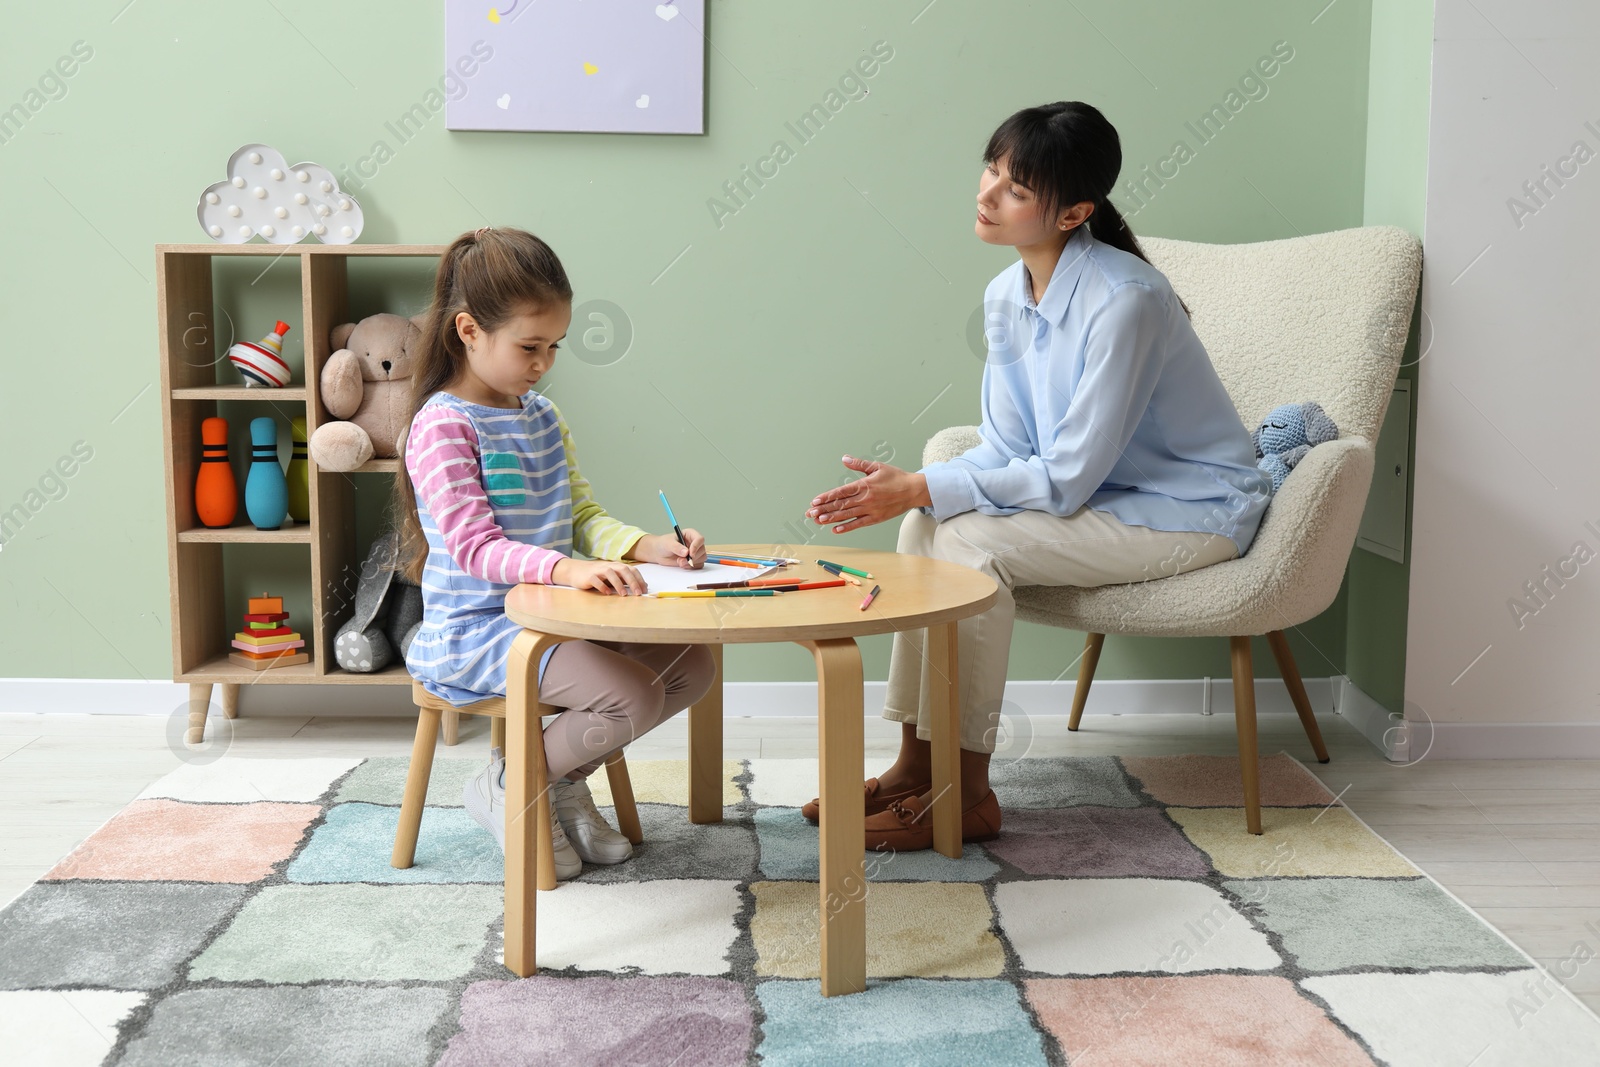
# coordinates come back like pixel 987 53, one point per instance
pixel 1287 434
pixel 388 612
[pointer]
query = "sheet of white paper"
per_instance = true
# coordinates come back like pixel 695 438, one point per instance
pixel 660 578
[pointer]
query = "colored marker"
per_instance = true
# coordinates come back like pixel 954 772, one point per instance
pixel 678 593
pixel 765 561
pixel 673 518
pixel 731 562
pixel 842 567
pixel 750 582
pixel 870 597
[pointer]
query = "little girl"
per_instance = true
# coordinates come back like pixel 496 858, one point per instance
pixel 490 497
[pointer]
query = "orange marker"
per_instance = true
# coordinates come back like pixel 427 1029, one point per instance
pixel 870 597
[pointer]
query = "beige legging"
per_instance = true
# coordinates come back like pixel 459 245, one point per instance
pixel 615 692
pixel 1087 548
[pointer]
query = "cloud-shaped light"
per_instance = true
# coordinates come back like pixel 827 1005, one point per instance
pixel 264 195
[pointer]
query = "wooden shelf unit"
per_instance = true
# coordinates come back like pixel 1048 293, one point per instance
pixel 201 629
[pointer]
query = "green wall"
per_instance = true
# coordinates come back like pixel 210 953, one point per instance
pixel 828 315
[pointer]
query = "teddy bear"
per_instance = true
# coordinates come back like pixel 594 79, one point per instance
pixel 1287 434
pixel 388 612
pixel 367 381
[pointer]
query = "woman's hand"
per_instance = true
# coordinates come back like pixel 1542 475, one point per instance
pixel 884 493
pixel 665 550
pixel 606 576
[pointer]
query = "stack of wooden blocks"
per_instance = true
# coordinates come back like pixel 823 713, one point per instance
pixel 266 640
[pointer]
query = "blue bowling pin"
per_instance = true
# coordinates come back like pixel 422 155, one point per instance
pixel 266 493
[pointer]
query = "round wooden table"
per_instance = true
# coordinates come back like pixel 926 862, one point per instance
pixel 917 592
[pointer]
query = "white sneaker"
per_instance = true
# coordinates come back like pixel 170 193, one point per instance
pixel 592 837
pixel 485 800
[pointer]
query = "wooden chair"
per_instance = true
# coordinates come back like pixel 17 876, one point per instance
pixel 1323 318
pixel 429 710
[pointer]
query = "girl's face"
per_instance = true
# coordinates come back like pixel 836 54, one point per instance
pixel 1010 214
pixel 508 362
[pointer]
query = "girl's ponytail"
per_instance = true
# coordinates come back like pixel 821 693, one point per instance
pixel 493 274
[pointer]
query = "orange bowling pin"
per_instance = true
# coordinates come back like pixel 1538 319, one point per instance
pixel 216 496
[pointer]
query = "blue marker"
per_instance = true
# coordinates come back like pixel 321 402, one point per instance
pixel 673 518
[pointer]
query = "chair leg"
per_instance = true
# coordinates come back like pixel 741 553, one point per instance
pixel 497 733
pixel 452 727
pixel 1297 691
pixel 622 797
pixel 1080 693
pixel 405 834
pixel 1244 712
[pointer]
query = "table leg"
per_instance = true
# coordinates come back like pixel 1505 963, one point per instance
pixel 944 723
pixel 705 750
pixel 843 882
pixel 530 861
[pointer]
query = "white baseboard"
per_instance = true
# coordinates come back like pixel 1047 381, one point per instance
pixel 1399 740
pixel 1388 733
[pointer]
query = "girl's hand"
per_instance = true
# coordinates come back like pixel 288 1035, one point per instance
pixel 884 493
pixel 606 576
pixel 665 550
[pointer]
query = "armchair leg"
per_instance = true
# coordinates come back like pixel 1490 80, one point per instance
pixel 1080 693
pixel 1297 692
pixel 1244 712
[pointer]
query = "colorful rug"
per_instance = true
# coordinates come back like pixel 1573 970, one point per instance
pixel 244 912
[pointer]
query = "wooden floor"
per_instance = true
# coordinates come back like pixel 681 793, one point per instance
pixel 1518 840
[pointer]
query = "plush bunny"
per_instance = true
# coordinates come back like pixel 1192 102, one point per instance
pixel 388 612
pixel 367 381
pixel 1287 434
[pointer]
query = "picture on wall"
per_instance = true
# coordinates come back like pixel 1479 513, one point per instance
pixel 602 66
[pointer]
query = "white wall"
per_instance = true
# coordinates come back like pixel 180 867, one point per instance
pixel 1507 483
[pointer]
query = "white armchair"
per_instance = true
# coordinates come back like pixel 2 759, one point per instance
pixel 1321 318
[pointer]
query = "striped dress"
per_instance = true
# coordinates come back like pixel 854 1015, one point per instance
pixel 501 501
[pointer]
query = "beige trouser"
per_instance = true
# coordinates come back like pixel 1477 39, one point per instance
pixel 1087 548
pixel 615 692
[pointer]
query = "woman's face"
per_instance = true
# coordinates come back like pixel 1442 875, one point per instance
pixel 1010 214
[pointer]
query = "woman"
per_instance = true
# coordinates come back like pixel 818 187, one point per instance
pixel 1110 450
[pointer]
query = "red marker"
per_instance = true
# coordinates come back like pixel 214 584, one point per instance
pixel 870 597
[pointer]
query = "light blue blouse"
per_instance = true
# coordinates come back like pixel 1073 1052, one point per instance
pixel 1102 394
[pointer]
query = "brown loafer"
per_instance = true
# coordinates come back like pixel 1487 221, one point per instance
pixel 876 801
pixel 906 826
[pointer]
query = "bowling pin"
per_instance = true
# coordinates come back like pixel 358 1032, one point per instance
pixel 216 494
pixel 266 493
pixel 299 473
